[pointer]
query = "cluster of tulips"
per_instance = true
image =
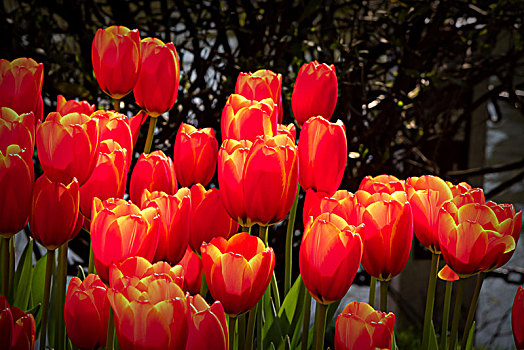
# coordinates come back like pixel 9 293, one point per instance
pixel 164 246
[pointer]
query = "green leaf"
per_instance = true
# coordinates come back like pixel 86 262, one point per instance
pixel 433 344
pixel 271 332
pixel 37 289
pixel 23 277
pixel 81 274
pixel 290 313
pixel 469 342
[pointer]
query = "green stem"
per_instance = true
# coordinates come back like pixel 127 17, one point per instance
pixel 445 315
pixel 260 307
pixel 5 266
pixel 150 134
pixel 472 308
pixel 245 228
pixel 11 285
pixel 116 104
pixel 456 314
pixel 274 289
pixel 110 330
pixel 47 287
pixel 262 233
pixel 203 285
pixel 384 296
pixel 430 299
pixel 289 244
pixel 91 266
pixel 241 325
pixel 321 310
pixel 372 291
pixel 250 328
pixel 306 319
pixel 231 327
pixel 60 296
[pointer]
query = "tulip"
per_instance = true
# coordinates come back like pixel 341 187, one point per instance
pixel 360 327
pixel 329 257
pixel 17 129
pixel 6 321
pixel 108 179
pixel 261 85
pixel 174 213
pixel 342 203
pixel 192 265
pixel 86 300
pixel 209 218
pixel 68 146
pixel 315 92
pixel 157 85
pixel 322 152
pixel 116 59
pixel 64 106
pixel 382 183
pixel 21 86
pixel 207 326
pixel 154 172
pixel 290 130
pixel 54 217
pixel 238 271
pixel 195 155
pixel 119 229
pixel 17 328
pixel 517 319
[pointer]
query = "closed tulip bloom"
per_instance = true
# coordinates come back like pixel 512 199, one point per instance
pixel 207 325
pixel 157 85
pixel 175 211
pixel 64 106
pixel 17 129
pixel 260 85
pixel 54 218
pixel 116 59
pixel 329 257
pixel 238 271
pixel 108 179
pixel 155 172
pixel 382 183
pixel 68 146
pixel 315 92
pixel 322 150
pixel 341 203
pixel 192 264
pixel 517 318
pixel 119 229
pixel 6 321
pixel 507 212
pixel 360 327
pixel 244 119
pixel 209 218
pixel 21 86
pixel 290 130
pixel 195 155
pixel 17 328
pixel 86 300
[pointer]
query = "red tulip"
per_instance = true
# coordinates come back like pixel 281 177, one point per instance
pixel 119 229
pixel 195 155
pixel 360 327
pixel 382 184
pixel 64 106
pixel 342 203
pixel 517 318
pixel 86 300
pixel 68 146
pixel 315 92
pixel 329 257
pixel 447 274
pixel 155 172
pixel 290 130
pixel 117 127
pixel 238 271
pixel 6 322
pixel 209 218
pixel 17 328
pixel 116 59
pixel 19 130
pixel 261 85
pixel 207 325
pixel 54 218
pixel 21 86
pixel 192 265
pixel 174 213
pixel 157 85
pixel 322 150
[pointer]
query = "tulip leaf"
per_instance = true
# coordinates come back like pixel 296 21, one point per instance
pixel 290 313
pixel 469 342
pixel 37 290
pixel 23 277
pixel 433 343
pixel 285 344
pixel 81 273
pixel 271 332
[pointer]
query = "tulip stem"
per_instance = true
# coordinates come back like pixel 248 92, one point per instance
pixel 241 325
pixel 384 296
pixel 430 299
pixel 60 296
pixel 110 330
pixel 372 291
pixel 116 104
pixel 231 326
pixel 5 266
pixel 49 267
pixel 289 244
pixel 150 134
pixel 321 311
pixel 445 315
pixel 456 314
pixel 11 273
pixel 306 319
pixel 250 328
pixel 245 228
pixel 472 308
pixel 260 307
pixel 274 288
pixel 262 233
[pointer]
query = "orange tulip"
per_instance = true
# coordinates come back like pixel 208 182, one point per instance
pixel 207 325
pixel 195 155
pixel 119 229
pixel 238 271
pixel 116 59
pixel 192 265
pixel 155 172
pixel 517 318
pixel 64 106
pixel 21 86
pixel 315 92
pixel 360 327
pixel 18 130
pixel 54 218
pixel 322 150
pixel 261 85
pixel 174 213
pixel 447 274
pixel 342 203
pixel 86 300
pixel 17 328
pixel 382 184
pixel 244 119
pixel 329 257
pixel 68 146
pixel 209 218
pixel 157 85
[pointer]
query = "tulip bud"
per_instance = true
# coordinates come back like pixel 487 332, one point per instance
pixel 207 325
pixel 72 106
pixel 517 318
pixel 17 328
